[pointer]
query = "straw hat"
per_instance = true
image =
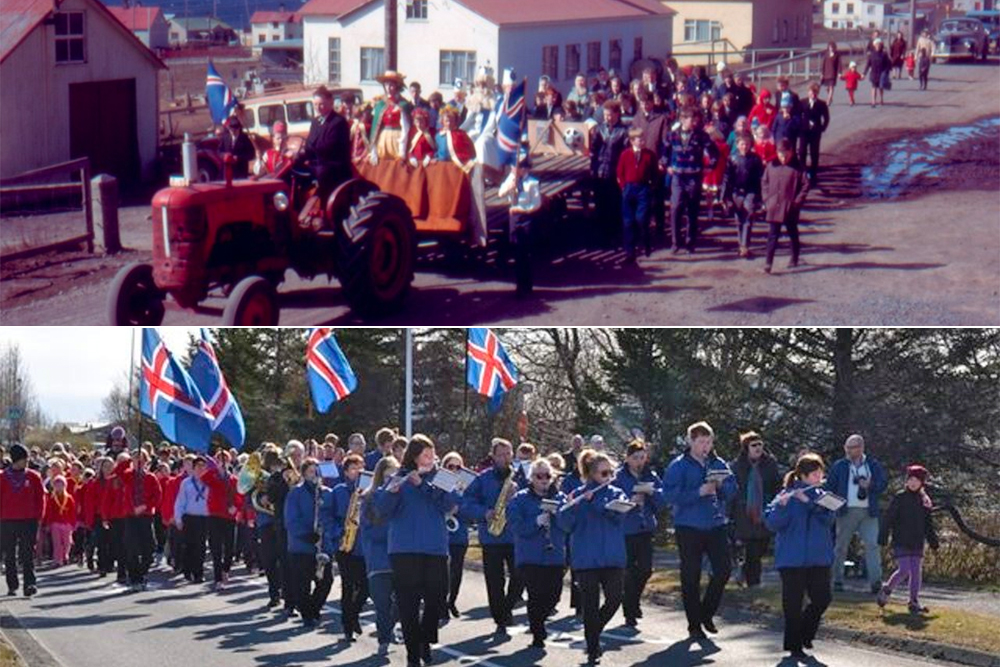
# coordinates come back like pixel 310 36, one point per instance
pixel 391 76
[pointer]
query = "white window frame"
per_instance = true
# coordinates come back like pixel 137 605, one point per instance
pixel 702 30
pixel 454 64
pixel 416 10
pixel 372 58
pixel 330 60
pixel 70 37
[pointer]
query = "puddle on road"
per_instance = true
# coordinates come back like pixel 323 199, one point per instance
pixel 910 161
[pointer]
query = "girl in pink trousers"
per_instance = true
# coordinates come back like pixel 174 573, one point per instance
pixel 60 518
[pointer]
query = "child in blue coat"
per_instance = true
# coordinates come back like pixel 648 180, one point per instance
pixel 803 551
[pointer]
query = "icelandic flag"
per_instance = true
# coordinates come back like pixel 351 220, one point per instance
pixel 218 96
pixel 169 395
pixel 511 124
pixel 330 376
pixel 491 372
pixel 227 418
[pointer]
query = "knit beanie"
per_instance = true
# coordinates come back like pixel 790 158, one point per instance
pixel 917 471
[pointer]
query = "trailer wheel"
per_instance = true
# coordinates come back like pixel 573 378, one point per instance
pixel 134 299
pixel 376 254
pixel 253 302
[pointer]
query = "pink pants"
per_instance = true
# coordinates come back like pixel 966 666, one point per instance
pixel 62 540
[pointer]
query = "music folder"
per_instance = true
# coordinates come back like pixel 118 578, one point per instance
pixel 830 501
pixel 717 475
pixel 445 480
pixel 620 506
pixel 465 478
pixel 643 487
pixel 550 506
pixel 365 480
pixel 328 470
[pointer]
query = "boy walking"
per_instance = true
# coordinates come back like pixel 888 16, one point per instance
pixel 637 173
pixel 741 189
pixel 784 188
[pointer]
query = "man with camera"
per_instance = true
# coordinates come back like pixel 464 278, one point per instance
pixel 861 480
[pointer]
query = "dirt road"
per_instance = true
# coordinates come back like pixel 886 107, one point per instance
pixel 929 256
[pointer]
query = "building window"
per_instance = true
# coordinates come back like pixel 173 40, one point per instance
pixel 835 8
pixel 550 62
pixel 850 7
pixel 457 65
pixel 777 27
pixel 334 71
pixel 784 33
pixel 593 56
pixel 261 38
pixel 416 9
pixel 637 48
pixel 699 30
pixel 871 9
pixel 274 25
pixel 615 55
pixel 275 38
pixel 572 61
pixel 372 62
pixel 70 46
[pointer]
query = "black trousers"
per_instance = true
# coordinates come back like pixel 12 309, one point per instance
pixel 105 547
pixel 774 233
pixel 801 624
pixel 574 585
pixel 175 540
pixel 456 565
pixel 246 545
pixel 138 537
pixel 691 544
pixel 685 199
pixel 496 559
pixel 608 206
pixel 17 544
pixel 272 549
pixel 638 567
pixel 596 615
pixel 118 548
pixel 221 539
pixel 520 233
pixel 159 533
pixel 81 538
pixel 544 584
pixel 419 578
pixel 353 589
pixel 809 143
pixel 194 529
pixel 753 552
pixel 306 593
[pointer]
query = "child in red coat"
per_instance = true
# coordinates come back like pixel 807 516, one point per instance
pixel 851 78
pixel 60 518
pixel 637 172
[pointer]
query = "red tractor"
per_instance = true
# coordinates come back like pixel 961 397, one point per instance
pixel 241 237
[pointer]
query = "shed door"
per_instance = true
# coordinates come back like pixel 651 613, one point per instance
pixel 103 127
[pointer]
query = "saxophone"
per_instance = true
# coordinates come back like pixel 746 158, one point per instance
pixel 351 522
pixel 499 521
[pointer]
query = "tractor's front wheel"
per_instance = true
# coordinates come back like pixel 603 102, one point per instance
pixel 134 299
pixel 376 254
pixel 252 303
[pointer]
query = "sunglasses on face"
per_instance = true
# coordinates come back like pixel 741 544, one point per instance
pixel 542 475
pixel 453 467
pixel 756 444
pixel 604 473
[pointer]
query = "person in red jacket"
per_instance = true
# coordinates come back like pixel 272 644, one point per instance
pixel 74 486
pixel 85 518
pixel 175 541
pixel 22 502
pixel 637 172
pixel 159 527
pixel 113 514
pixel 101 538
pixel 221 516
pixel 60 517
pixel 140 496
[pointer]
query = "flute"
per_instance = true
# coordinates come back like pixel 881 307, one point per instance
pixel 576 500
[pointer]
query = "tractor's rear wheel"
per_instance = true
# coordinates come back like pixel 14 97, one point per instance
pixel 252 303
pixel 134 299
pixel 376 254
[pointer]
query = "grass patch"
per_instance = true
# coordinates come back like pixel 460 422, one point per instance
pixel 8 656
pixel 858 612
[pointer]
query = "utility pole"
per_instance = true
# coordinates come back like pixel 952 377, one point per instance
pixel 391 35
pixel 913 24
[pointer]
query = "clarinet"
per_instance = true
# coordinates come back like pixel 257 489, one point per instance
pixel 322 560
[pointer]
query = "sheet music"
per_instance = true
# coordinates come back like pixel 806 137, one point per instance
pixel 717 475
pixel 328 470
pixel 445 480
pixel 465 478
pixel 365 480
pixel 643 487
pixel 620 506
pixel 830 501
pixel 549 505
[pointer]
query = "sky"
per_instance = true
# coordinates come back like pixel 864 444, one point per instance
pixel 73 368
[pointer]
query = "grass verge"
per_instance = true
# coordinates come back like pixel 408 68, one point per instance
pixel 8 656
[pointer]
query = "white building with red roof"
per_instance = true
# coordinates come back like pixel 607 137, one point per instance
pixel 147 23
pixel 277 26
pixel 439 42
pixel 76 83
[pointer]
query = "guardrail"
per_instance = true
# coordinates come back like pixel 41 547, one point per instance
pixel 31 184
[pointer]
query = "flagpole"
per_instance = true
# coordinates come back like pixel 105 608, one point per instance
pixel 465 405
pixel 408 414
pixel 131 377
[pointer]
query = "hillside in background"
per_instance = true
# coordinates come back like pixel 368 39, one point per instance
pixel 236 13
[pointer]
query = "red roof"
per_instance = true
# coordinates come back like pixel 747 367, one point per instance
pixel 135 18
pixel 519 12
pixel 273 17
pixel 17 19
pixel 332 7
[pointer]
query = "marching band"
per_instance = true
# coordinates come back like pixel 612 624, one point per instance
pixel 395 527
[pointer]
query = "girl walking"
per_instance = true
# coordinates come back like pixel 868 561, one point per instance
pixel 908 520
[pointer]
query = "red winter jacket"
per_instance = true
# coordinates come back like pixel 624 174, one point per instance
pixel 59 513
pixel 21 495
pixel 149 494
pixel 170 490
pixel 113 500
pixel 221 492
pixel 88 501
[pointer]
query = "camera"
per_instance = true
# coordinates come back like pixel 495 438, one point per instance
pixel 862 491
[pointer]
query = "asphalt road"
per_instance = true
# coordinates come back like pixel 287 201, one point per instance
pixel 932 258
pixel 81 621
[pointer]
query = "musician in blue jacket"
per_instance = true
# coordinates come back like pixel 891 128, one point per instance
pixel 699 512
pixel 458 540
pixel 539 545
pixel 640 524
pixel 803 551
pixel 597 546
pixel 305 542
pixel 418 545
pixel 374 540
pixel 351 564
pixel 478 503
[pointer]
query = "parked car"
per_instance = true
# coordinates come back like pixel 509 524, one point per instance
pixel 991 21
pixel 295 109
pixel 961 38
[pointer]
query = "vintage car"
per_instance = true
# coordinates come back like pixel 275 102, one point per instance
pixel 961 38
pixel 991 21
pixel 295 109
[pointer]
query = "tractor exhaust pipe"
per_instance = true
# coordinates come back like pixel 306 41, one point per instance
pixel 189 159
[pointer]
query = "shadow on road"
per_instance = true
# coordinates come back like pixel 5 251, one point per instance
pixel 683 653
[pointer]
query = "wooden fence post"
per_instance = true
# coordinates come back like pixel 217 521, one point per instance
pixel 104 196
